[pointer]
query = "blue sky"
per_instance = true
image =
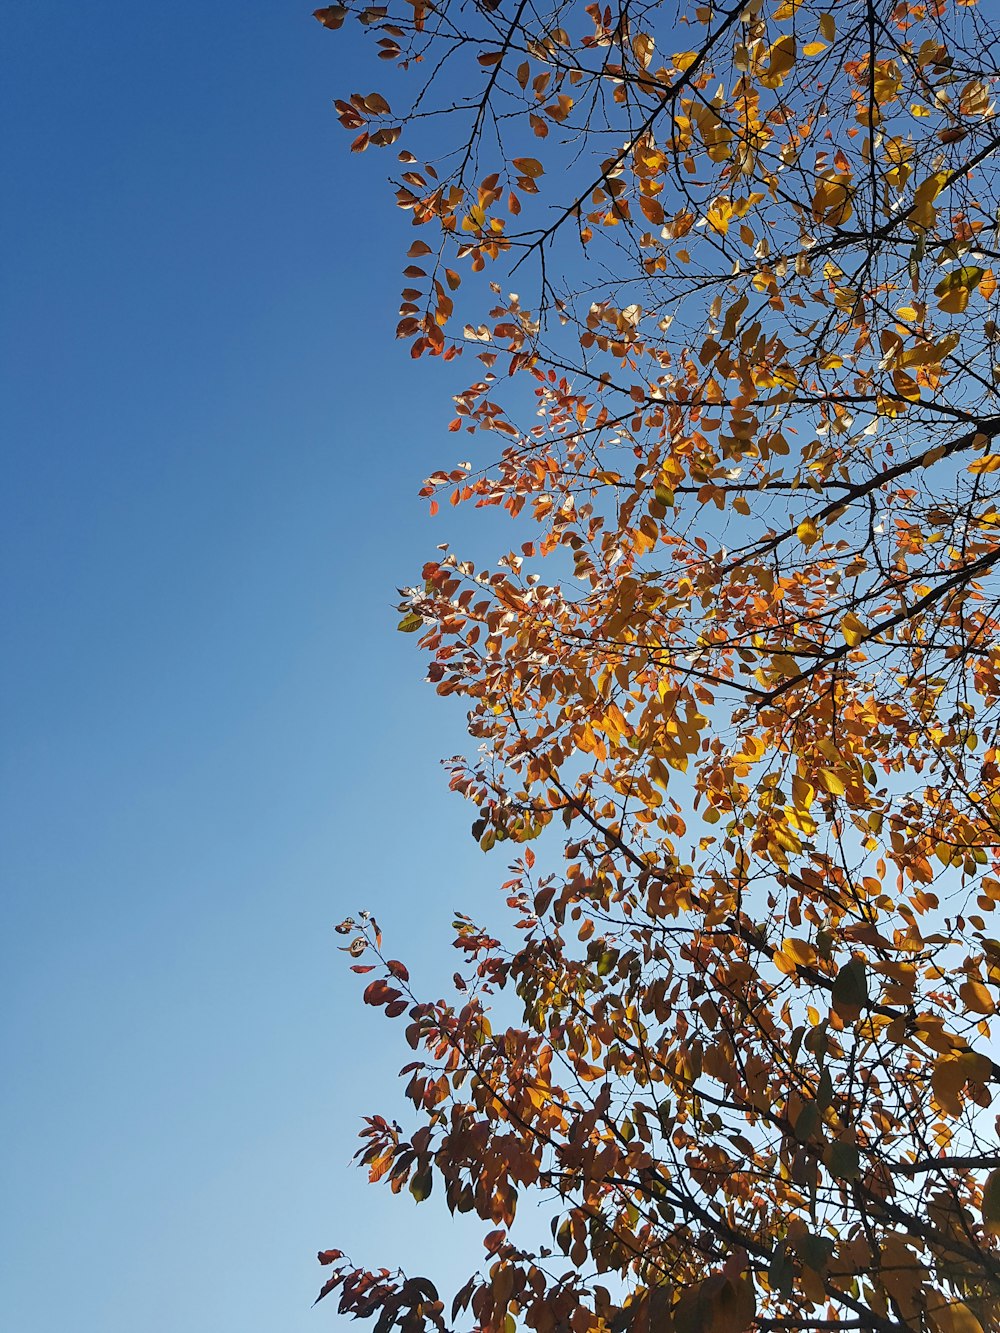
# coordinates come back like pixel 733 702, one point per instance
pixel 215 743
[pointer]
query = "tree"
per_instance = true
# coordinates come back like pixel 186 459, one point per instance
pixel 743 658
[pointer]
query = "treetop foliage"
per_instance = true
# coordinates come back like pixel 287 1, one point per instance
pixel 739 672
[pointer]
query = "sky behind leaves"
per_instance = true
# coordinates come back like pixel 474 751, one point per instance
pixel 216 744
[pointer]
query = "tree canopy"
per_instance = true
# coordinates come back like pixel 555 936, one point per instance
pixel 739 671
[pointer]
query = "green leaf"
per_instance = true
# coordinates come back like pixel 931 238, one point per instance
pixel 781 1274
pixel 410 623
pixel 807 1122
pixel 421 1184
pixel 962 278
pixel 606 962
pixel 843 1161
pixel 824 1093
pixel 850 990
pixel 815 1251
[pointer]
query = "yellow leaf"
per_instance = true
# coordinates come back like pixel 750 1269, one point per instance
pixel 833 198
pixel 976 997
pixel 799 951
pixel 950 1075
pixel 954 289
pixel 922 213
pixel 475 219
pixel 988 463
pixel 954 302
pixel 887 82
pixel 991 1202
pixel 975 99
pixel 813 48
pixel 831 782
pixel 642 49
pixel 953 1318
pixel 905 385
pixel 780 62
pixel 853 630
pixel 807 532
pixel 719 212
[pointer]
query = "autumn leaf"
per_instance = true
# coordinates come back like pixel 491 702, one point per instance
pixel 976 997
pixel 807 532
pixel 954 289
pixel 954 1317
pixel 853 630
pixel 528 166
pixel 332 16
pixel 780 62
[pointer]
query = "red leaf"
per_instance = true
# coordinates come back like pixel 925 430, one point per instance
pixel 327 1288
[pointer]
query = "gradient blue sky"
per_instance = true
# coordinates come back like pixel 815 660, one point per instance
pixel 215 743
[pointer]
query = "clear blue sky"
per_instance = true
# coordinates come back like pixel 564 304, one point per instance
pixel 215 745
